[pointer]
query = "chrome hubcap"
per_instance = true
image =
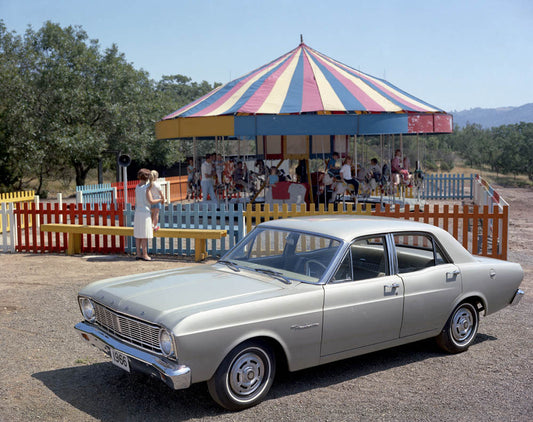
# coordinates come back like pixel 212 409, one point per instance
pixel 463 324
pixel 247 374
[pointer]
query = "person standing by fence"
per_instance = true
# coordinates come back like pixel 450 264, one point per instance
pixel 142 219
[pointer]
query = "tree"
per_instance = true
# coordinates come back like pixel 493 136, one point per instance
pixel 87 101
pixel 16 150
pixel 526 148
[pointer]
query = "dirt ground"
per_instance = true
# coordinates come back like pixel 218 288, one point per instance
pixel 47 373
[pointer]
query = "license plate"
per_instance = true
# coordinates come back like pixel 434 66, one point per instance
pixel 120 359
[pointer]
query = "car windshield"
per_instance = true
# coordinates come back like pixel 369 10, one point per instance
pixel 292 255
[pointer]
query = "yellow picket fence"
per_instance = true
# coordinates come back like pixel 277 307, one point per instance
pixel 11 198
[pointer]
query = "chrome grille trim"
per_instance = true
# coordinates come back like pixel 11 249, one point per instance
pixel 133 331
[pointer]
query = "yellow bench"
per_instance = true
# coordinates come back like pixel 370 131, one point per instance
pixel 76 230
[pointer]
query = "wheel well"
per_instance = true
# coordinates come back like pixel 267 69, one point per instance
pixel 277 348
pixel 477 302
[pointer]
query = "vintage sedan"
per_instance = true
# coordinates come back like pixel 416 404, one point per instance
pixel 296 292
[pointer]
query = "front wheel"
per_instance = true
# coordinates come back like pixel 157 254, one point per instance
pixel 460 329
pixel 244 377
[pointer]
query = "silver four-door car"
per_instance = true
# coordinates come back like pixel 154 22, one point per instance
pixel 296 292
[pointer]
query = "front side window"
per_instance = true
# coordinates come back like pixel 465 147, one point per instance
pixel 296 255
pixel 416 251
pixel 366 258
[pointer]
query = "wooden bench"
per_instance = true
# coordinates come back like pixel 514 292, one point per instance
pixel 75 232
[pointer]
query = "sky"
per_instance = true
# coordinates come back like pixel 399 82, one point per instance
pixel 454 54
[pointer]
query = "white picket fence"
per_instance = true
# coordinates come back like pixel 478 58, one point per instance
pixel 9 229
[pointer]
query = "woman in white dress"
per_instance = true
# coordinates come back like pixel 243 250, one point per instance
pixel 142 219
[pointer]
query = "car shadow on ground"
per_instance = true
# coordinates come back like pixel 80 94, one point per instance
pixel 107 393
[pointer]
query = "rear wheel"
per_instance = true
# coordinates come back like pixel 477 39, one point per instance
pixel 460 329
pixel 244 377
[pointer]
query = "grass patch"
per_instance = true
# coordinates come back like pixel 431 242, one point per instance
pixel 85 361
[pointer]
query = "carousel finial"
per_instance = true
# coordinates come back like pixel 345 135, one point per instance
pixel 301 39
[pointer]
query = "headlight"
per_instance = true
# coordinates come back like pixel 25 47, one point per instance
pixel 87 309
pixel 166 343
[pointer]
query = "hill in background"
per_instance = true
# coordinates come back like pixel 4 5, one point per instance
pixel 490 117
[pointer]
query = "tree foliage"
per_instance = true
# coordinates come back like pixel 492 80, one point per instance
pixel 506 149
pixel 65 102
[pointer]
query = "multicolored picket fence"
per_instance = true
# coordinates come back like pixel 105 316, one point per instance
pixel 481 230
pixel 189 216
pixel 482 227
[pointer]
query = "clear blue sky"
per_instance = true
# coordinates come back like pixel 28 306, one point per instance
pixel 455 54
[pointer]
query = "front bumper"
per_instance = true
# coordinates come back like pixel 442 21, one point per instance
pixel 517 296
pixel 175 376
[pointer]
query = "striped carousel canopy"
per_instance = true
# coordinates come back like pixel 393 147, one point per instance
pixel 304 92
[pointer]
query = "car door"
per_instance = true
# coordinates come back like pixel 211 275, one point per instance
pixel 431 282
pixel 363 302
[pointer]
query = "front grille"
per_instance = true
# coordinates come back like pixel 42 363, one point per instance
pixel 131 330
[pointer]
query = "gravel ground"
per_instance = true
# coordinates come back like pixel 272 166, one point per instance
pixel 47 372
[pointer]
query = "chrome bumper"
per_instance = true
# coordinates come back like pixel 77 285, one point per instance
pixel 174 375
pixel 517 296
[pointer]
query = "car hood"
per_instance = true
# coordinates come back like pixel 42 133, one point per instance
pixel 170 295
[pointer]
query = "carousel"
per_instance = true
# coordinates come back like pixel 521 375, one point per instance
pixel 305 105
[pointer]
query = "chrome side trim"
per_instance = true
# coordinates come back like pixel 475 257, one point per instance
pixel 517 296
pixel 303 327
pixel 174 375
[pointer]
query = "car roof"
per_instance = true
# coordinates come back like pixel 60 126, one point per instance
pixel 347 227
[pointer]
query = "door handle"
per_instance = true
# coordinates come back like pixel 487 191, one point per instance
pixel 391 289
pixel 454 273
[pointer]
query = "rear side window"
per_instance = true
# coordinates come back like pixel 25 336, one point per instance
pixel 416 251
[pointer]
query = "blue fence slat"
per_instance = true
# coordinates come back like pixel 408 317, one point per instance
pixel 193 216
pixel 97 194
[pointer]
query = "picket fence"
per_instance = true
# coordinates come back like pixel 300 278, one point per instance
pixel 481 230
pixel 175 216
pixel 6 202
pixel 96 194
pixel 447 186
pixel 34 240
pixel 8 228
pixel 193 216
